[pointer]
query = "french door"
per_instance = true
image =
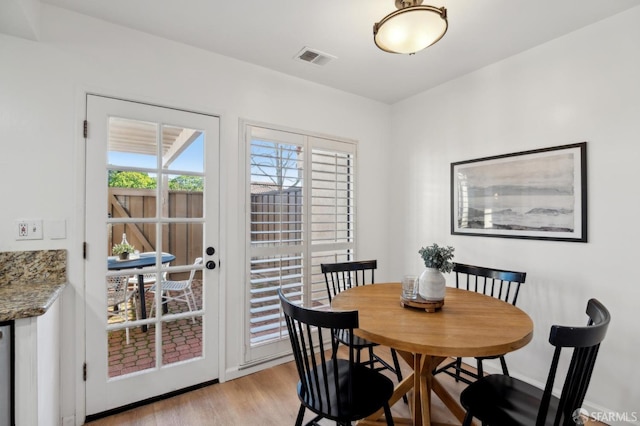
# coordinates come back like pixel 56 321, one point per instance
pixel 151 320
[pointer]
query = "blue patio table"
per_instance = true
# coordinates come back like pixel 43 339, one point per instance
pixel 143 261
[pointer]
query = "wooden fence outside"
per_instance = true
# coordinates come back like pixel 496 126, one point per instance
pixel 183 240
pixel 275 215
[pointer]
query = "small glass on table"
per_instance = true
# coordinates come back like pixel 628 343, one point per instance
pixel 409 287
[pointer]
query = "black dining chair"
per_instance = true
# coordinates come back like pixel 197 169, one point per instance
pixel 504 285
pixel 333 388
pixel 502 400
pixel 342 276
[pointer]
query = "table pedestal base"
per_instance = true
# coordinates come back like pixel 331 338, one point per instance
pixel 422 384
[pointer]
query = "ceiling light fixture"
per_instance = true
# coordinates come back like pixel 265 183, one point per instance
pixel 411 28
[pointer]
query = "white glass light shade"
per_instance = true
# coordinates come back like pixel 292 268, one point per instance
pixel 411 29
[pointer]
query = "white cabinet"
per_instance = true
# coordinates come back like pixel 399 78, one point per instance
pixel 37 368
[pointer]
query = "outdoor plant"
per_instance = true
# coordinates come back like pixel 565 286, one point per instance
pixel 122 248
pixel 437 257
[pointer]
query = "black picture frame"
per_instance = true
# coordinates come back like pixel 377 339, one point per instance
pixel 539 194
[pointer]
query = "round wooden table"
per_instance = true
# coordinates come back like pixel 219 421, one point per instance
pixel 469 324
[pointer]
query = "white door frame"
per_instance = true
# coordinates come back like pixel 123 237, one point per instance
pixel 80 301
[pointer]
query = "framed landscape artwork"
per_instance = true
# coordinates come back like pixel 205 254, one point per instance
pixel 539 194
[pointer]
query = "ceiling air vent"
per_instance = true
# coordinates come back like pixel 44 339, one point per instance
pixel 314 56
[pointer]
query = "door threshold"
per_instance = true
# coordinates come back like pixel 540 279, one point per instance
pixel 147 401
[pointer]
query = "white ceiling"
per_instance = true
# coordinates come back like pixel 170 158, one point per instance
pixel 269 33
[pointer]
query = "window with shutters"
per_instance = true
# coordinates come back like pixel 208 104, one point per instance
pixel 301 213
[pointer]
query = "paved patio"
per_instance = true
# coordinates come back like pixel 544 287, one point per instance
pixel 181 340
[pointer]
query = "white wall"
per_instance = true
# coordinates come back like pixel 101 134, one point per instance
pixel 42 87
pixel 581 87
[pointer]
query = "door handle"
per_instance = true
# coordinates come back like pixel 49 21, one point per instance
pixel 211 264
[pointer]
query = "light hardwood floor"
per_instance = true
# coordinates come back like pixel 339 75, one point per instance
pixel 266 398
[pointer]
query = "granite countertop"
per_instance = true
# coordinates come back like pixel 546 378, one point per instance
pixel 27 299
pixel 30 281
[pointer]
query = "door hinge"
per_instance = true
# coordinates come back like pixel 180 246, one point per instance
pixel 85 129
pixel 84 250
pixel 84 371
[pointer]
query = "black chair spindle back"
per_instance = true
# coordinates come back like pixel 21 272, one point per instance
pixel 345 275
pixel 333 388
pixel 504 285
pixel 500 399
pixel 498 283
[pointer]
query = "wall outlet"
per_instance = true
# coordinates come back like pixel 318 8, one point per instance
pixel 29 229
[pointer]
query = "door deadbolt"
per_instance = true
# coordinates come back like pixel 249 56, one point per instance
pixel 211 264
pixel 211 251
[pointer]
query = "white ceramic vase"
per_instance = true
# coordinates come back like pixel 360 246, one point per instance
pixel 432 285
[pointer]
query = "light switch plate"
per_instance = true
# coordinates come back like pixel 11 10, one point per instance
pixel 56 229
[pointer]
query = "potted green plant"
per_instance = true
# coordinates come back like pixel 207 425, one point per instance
pixel 437 259
pixel 123 250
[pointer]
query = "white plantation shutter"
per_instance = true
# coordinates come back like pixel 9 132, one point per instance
pixel 302 214
pixel 332 216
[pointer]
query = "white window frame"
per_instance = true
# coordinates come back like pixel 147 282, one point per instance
pixel 255 354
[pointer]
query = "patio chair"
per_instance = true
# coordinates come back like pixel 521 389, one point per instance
pixel 342 276
pixel 118 298
pixel 502 400
pixel 179 291
pixel 336 389
pixel 504 285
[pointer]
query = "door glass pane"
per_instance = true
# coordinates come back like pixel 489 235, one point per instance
pixel 136 356
pixel 185 195
pixel 181 340
pixel 139 235
pixel 132 143
pixel 182 149
pixel 131 194
pixel 181 292
pixel 184 240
